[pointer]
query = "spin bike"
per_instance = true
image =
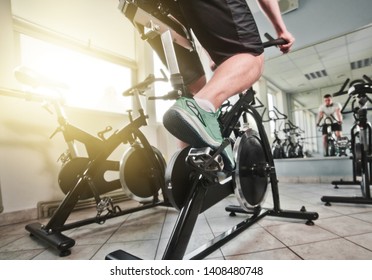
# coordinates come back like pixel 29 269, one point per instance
pixel 291 145
pixel 361 142
pixel 355 180
pixel 277 145
pixel 193 175
pixel 330 149
pixel 141 168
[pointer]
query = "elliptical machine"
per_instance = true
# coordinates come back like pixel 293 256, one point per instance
pixel 196 179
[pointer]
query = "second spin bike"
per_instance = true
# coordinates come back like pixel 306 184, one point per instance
pixel 140 170
pixel 334 146
pixel 361 142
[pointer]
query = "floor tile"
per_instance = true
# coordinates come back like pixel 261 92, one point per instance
pixel 364 240
pixel 251 240
pixel 84 252
pixel 294 234
pixel 196 241
pixel 345 226
pixel 136 232
pixel 275 254
pixel 144 249
pixel 20 255
pixel 342 231
pixel 336 249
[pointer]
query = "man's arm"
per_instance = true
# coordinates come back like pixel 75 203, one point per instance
pixel 272 11
pixel 320 117
pixel 339 115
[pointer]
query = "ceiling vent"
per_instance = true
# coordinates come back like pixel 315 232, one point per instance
pixel 287 6
pixel 316 75
pixel 361 63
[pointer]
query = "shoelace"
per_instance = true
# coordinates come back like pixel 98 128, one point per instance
pixel 195 110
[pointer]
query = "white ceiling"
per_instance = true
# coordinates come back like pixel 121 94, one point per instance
pixel 333 56
pixel 330 35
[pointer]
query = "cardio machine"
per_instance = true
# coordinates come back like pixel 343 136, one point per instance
pixel 277 145
pixel 140 170
pixel 361 142
pixel 195 177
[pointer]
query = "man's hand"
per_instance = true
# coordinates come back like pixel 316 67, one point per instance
pixel 289 38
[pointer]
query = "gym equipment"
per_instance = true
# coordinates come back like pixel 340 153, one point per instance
pixel 277 145
pixel 335 146
pixel 141 169
pixel 342 145
pixel 291 145
pixel 196 180
pixel 331 138
pixel 350 145
pixel 361 142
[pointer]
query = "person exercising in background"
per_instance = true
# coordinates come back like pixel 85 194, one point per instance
pixel 227 30
pixel 330 110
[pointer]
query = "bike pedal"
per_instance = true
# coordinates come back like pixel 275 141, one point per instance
pixel 105 204
pixel 205 160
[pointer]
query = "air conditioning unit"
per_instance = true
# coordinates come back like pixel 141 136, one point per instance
pixel 287 6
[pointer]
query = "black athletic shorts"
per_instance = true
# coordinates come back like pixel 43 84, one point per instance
pixel 223 27
pixel 334 127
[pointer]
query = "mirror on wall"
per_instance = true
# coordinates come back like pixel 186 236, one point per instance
pixel 306 75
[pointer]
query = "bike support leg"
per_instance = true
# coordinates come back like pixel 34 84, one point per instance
pixel 182 231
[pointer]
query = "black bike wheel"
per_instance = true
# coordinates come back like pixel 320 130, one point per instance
pixel 331 148
pixel 178 179
pixel 357 159
pixel 291 151
pixel 139 175
pixel 277 153
pixel 251 176
pixel 71 171
pixel 299 151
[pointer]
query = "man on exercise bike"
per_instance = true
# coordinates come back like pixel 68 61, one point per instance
pixel 228 32
pixel 331 111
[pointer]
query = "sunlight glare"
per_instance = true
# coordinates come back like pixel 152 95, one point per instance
pixel 92 83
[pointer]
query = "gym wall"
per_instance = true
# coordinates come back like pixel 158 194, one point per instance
pixel 28 165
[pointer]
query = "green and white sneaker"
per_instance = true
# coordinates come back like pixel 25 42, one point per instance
pixel 188 122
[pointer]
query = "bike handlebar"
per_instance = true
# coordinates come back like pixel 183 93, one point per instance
pixel 342 90
pixel 273 42
pixel 355 87
pixel 284 116
pixel 144 85
pixel 275 112
pixel 365 88
pixel 359 89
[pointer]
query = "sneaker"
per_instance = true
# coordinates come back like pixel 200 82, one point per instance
pixel 191 124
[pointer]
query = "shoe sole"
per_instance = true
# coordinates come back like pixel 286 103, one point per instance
pixel 179 125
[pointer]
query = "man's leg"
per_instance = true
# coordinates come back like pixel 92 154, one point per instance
pixel 234 75
pixel 338 134
pixel 325 145
pixel 226 29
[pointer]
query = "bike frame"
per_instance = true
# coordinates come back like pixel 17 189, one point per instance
pixel 204 191
pixel 88 175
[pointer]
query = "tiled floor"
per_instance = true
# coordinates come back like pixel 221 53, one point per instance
pixel 343 231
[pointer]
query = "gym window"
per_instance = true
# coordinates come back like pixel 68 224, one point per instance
pixel 271 102
pixel 93 83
